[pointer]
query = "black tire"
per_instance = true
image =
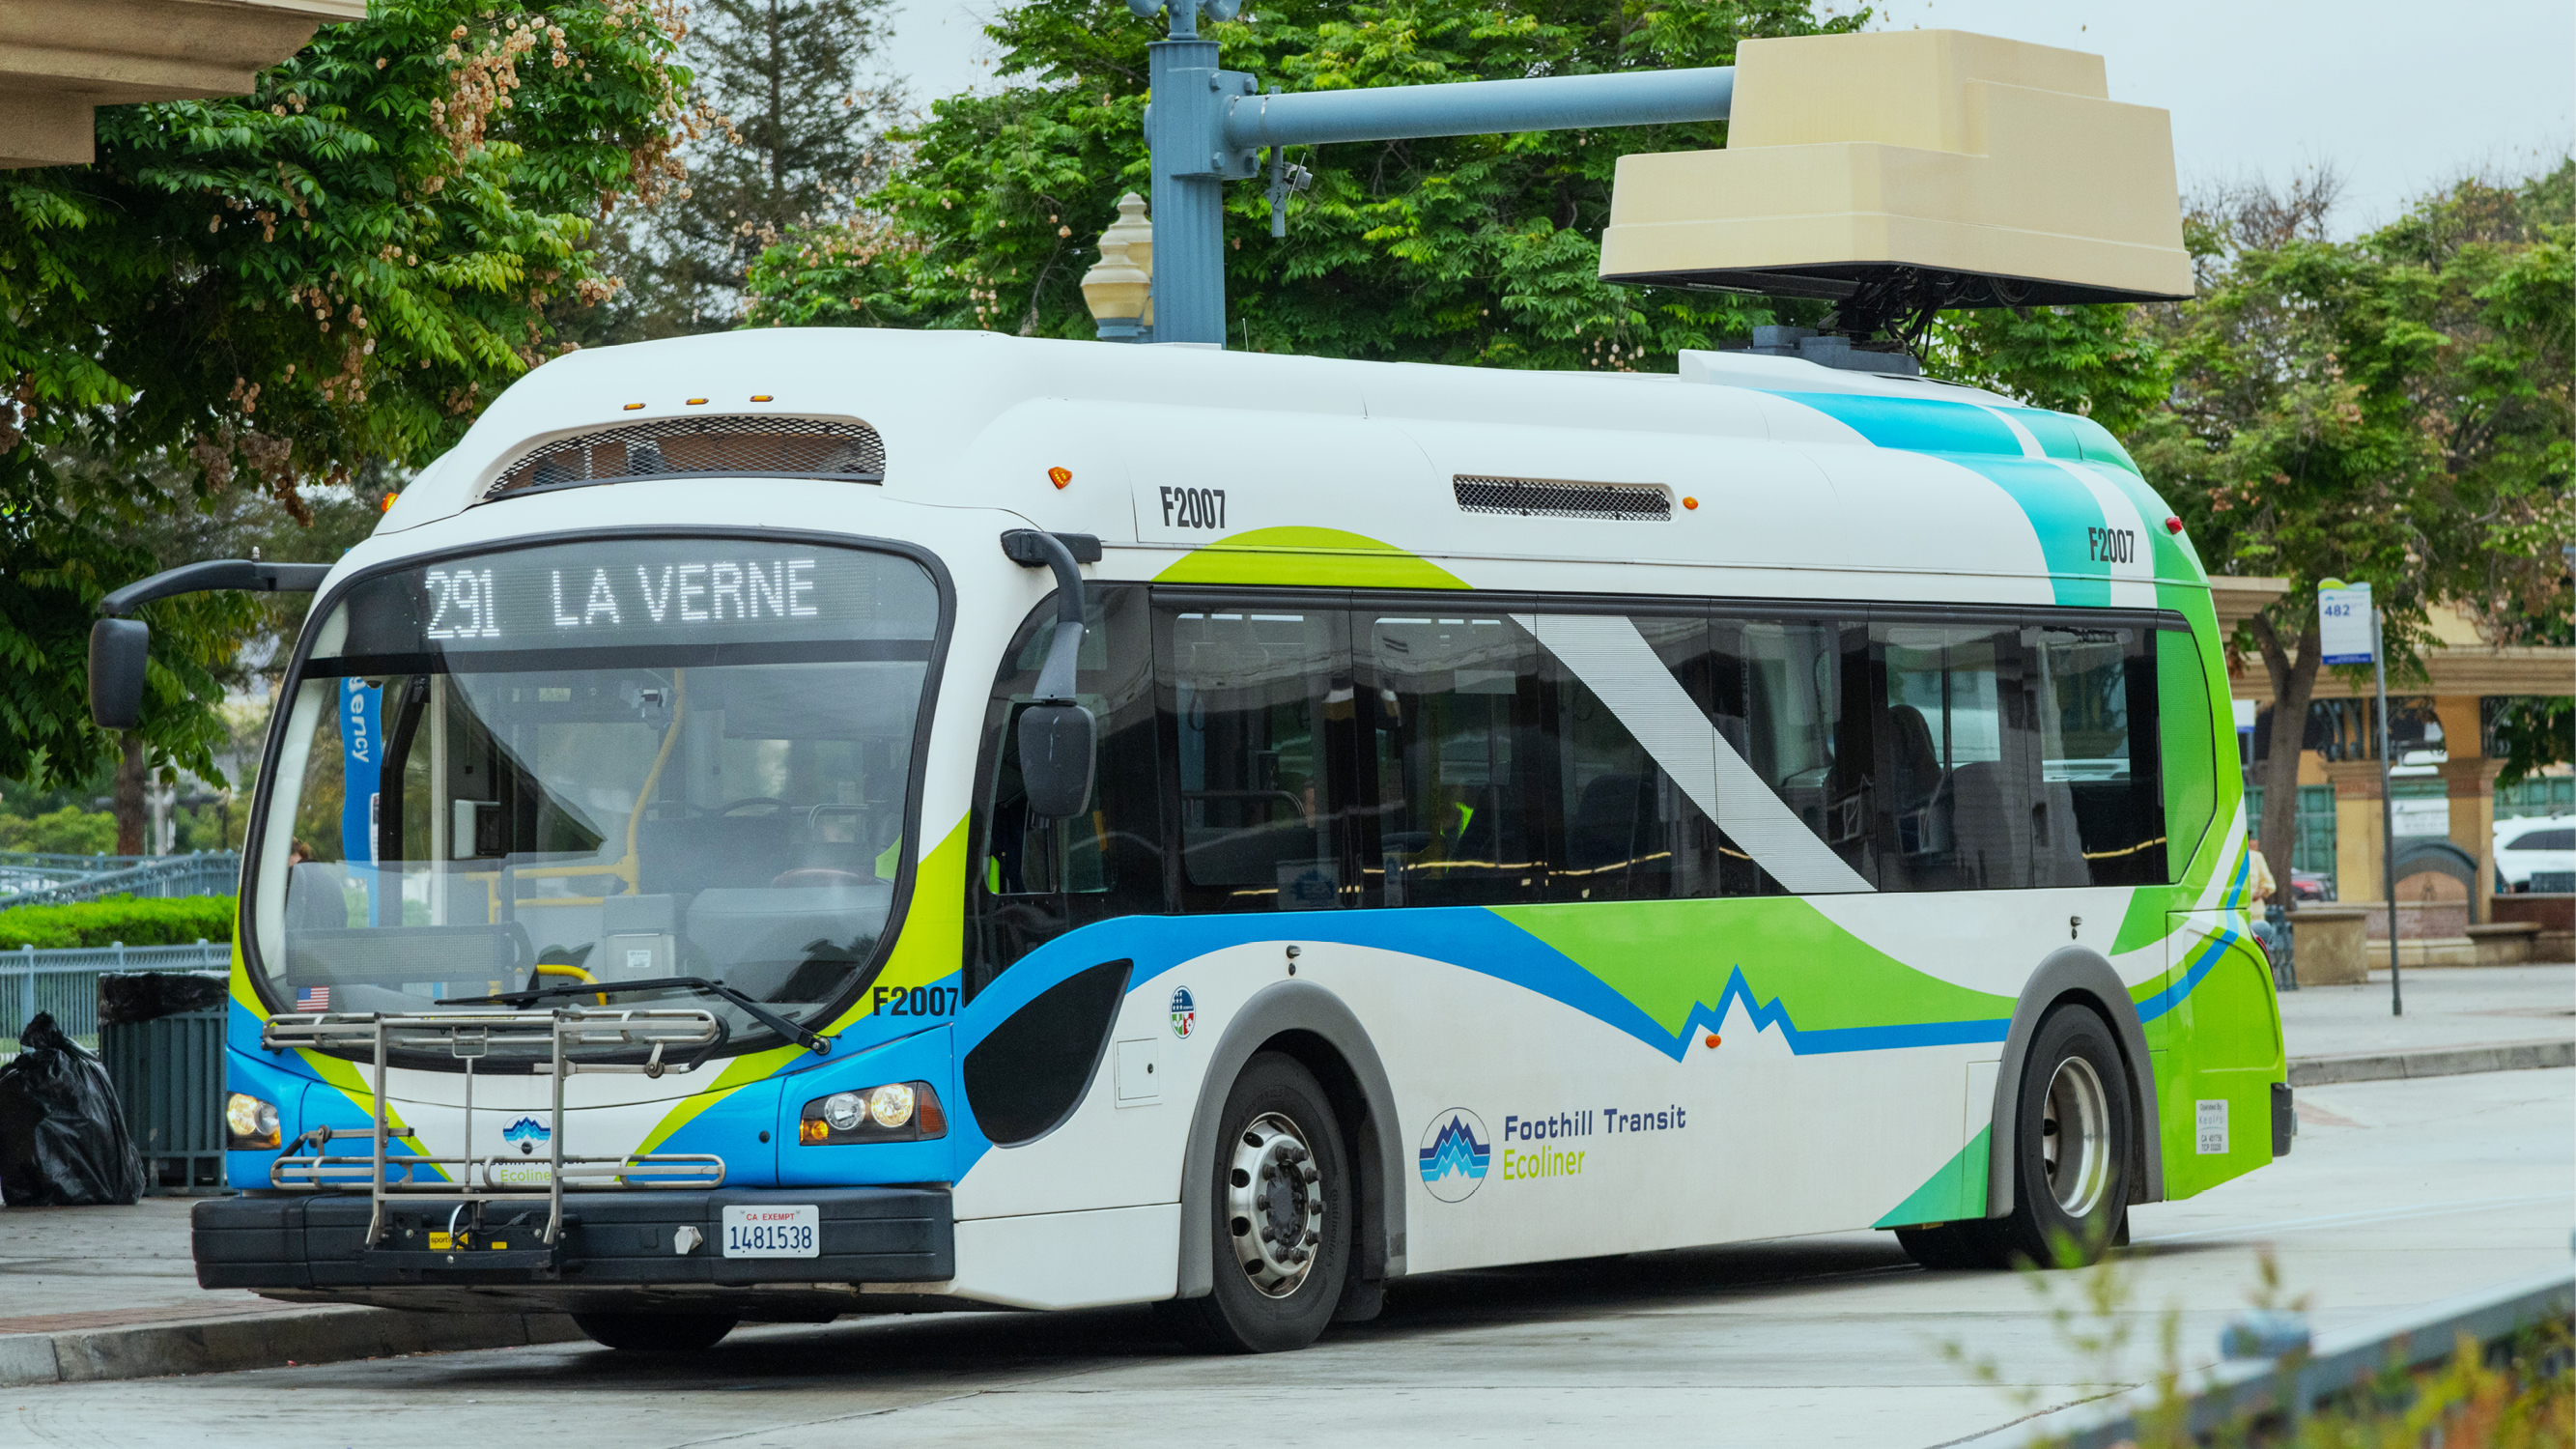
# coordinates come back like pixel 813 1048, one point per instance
pixel 655 1332
pixel 1275 1105
pixel 2071 1149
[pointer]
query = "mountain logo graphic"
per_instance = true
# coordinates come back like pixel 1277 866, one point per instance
pixel 1455 1153
pixel 526 1129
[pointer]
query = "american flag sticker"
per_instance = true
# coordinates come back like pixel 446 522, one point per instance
pixel 313 998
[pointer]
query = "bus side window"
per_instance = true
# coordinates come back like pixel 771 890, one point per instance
pixel 1032 878
pixel 1449 749
pixel 2100 813
pixel 1256 695
pixel 1630 831
pixel 2188 748
pixel 1798 735
pixel 1951 808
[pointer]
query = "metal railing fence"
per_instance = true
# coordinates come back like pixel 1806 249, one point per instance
pixel 2222 1404
pixel 206 873
pixel 65 983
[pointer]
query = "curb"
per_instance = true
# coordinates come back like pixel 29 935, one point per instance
pixel 265 1340
pixel 2512 1056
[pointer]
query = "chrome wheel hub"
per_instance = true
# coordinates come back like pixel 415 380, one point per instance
pixel 2075 1137
pixel 1274 1204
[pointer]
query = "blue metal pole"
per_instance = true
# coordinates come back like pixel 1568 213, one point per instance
pixel 1189 191
pixel 1205 126
pixel 1478 108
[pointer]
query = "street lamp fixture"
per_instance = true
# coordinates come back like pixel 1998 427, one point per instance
pixel 1119 288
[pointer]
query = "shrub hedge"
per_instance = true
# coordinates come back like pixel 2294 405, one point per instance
pixel 175 922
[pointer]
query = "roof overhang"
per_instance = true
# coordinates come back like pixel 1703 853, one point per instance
pixel 2239 599
pixel 2458 671
pixel 61 59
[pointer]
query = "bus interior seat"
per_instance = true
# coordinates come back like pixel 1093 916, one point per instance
pixel 1250 855
pixel 2058 840
pixel 315 898
pixel 1738 736
pixel 1479 839
pixel 842 857
pixel 1917 758
pixel 708 852
pixel 1989 827
pixel 1613 822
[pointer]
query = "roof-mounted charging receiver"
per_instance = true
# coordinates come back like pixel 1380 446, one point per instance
pixel 1902 172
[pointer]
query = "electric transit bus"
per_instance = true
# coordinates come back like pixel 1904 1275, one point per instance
pixel 800 823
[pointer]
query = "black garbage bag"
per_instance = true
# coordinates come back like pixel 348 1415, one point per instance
pixel 62 1134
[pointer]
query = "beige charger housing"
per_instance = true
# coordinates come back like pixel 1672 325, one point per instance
pixel 1927 167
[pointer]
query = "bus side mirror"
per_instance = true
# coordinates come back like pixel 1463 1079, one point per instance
pixel 1056 752
pixel 117 651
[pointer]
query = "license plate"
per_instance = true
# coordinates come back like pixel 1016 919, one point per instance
pixel 773 1232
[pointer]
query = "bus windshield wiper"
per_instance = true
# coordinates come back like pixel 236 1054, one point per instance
pixel 810 1041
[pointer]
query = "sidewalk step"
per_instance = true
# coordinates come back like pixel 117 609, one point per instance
pixel 260 1339
pixel 2381 1066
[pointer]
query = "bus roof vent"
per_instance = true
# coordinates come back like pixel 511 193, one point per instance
pixel 1549 498
pixel 681 447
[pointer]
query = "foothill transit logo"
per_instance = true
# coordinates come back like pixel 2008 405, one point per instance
pixel 1455 1154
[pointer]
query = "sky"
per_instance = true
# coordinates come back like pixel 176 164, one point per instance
pixel 2398 100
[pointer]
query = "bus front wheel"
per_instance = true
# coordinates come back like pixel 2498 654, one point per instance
pixel 1280 1237
pixel 655 1332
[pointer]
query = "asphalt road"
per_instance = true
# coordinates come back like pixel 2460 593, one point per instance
pixel 2398 1193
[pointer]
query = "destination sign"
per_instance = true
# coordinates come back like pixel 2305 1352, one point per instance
pixel 639 591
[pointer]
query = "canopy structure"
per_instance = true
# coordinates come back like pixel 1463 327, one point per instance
pixel 1904 170
pixel 61 59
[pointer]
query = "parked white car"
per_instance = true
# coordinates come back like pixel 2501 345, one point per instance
pixel 2536 854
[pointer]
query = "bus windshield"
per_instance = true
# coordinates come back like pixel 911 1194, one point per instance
pixel 612 760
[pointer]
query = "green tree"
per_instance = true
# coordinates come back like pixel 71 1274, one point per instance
pixel 67 831
pixel 1476 249
pixel 331 274
pixel 796 135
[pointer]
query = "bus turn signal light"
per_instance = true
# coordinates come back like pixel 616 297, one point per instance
pixel 1059 476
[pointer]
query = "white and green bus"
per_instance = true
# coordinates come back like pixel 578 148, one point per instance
pixel 799 823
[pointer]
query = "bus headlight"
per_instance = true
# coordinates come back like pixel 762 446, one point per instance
pixel 250 1125
pixel 894 1112
pixel 891 1105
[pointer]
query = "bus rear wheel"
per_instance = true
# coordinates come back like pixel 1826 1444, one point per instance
pixel 655 1332
pixel 2070 1159
pixel 1278 1224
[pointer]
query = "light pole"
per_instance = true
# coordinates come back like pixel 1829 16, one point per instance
pixel 1206 126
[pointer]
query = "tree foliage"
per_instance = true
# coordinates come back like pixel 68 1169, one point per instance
pixel 797 136
pixel 1477 249
pixel 269 290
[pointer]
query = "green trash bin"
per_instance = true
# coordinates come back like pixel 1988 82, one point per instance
pixel 161 1035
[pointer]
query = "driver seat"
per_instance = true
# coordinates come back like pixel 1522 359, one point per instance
pixel 690 853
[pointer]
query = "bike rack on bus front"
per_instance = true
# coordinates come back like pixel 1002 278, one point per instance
pixel 542 1038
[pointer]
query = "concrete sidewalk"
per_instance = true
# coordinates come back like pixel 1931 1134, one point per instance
pixel 110 1293
pixel 2458 1019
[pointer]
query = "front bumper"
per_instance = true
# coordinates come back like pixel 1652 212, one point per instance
pixel 315 1243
